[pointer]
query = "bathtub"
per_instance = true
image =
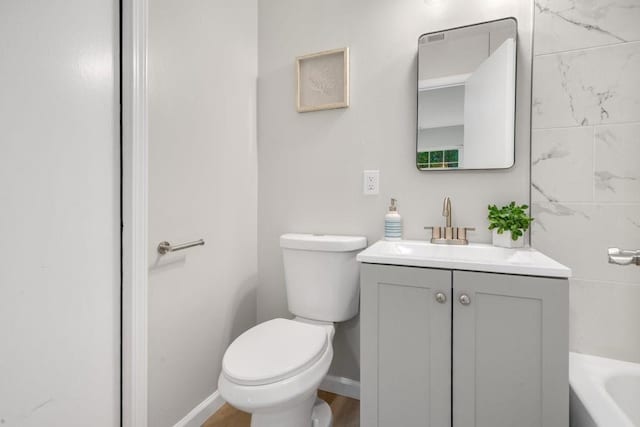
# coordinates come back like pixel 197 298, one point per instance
pixel 604 392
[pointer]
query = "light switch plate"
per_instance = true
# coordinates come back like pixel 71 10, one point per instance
pixel 371 184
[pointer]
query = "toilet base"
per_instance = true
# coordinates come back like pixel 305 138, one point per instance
pixel 312 412
pixel 321 415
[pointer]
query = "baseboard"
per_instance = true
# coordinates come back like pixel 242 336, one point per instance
pixel 198 415
pixel 342 386
pixel 202 412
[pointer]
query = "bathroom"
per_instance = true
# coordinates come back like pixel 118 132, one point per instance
pixel 97 328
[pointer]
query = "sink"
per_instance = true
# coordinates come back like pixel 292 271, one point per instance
pixel 472 257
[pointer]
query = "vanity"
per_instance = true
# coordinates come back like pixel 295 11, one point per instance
pixel 463 336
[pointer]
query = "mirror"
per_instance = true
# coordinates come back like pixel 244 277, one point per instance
pixel 467 97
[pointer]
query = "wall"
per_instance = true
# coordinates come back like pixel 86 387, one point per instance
pixel 202 178
pixel 60 210
pixel 310 165
pixel 586 170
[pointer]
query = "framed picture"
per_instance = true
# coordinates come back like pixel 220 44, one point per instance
pixel 323 80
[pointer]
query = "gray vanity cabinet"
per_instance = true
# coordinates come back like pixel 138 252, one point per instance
pixel 494 354
pixel 405 347
pixel 510 351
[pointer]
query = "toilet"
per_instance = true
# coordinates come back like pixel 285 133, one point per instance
pixel 273 370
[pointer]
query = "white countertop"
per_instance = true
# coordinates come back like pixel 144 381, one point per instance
pixel 472 257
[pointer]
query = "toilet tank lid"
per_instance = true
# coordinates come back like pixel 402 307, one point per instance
pixel 322 242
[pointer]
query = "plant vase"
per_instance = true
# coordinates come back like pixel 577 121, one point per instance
pixel 504 240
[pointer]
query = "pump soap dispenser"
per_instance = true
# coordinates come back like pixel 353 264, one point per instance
pixel 393 223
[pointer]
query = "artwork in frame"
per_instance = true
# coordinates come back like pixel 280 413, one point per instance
pixel 323 80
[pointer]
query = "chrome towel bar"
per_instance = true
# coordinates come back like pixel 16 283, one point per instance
pixel 166 247
pixel 624 257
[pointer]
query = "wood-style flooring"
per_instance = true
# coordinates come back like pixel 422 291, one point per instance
pixel 346 413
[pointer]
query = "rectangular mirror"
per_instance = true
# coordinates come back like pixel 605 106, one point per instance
pixel 467 97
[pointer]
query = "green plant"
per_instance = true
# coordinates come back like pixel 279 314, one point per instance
pixel 510 217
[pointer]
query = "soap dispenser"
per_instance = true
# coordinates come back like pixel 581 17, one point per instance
pixel 393 223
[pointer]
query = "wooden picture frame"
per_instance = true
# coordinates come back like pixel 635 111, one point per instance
pixel 323 80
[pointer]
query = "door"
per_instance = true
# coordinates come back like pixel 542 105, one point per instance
pixel 510 355
pixel 59 214
pixel 405 346
pixel 489 111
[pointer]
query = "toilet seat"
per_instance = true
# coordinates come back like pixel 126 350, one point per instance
pixel 273 351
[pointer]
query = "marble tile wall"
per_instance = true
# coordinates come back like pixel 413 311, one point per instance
pixel 586 162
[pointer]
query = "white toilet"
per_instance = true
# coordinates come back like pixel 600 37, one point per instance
pixel 273 370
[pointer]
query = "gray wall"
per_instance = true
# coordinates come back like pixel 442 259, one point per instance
pixel 586 163
pixel 310 165
pixel 202 184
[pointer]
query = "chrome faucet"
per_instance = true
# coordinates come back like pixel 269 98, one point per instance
pixel 446 210
pixel 449 235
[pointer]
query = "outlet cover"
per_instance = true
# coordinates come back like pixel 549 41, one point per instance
pixel 371 182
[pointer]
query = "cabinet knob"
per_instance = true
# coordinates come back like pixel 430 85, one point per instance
pixel 464 299
pixel 441 297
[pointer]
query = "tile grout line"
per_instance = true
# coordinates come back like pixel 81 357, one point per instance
pixel 589 48
pixel 590 203
pixel 626 123
pixel 606 282
pixel 593 164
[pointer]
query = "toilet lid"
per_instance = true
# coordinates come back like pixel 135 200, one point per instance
pixel 272 351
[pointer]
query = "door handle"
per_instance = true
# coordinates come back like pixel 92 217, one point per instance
pixel 441 297
pixel 464 299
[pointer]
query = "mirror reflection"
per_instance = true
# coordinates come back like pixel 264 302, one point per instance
pixel 466 97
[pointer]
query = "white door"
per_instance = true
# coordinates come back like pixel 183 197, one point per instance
pixel 59 214
pixel 489 111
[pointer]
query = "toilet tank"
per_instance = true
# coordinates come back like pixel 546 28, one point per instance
pixel 322 275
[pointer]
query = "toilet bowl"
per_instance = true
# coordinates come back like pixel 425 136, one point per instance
pixel 273 370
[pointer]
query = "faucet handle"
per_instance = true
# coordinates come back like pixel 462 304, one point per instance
pixel 462 232
pixel 436 232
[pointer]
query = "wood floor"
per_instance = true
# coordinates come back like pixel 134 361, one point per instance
pixel 346 413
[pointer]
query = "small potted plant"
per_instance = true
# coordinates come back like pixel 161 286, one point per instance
pixel 510 218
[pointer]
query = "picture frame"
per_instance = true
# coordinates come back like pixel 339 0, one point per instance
pixel 323 80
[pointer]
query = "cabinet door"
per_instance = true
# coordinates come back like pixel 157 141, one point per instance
pixel 510 351
pixel 405 347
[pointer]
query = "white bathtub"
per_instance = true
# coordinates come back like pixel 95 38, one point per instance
pixel 604 392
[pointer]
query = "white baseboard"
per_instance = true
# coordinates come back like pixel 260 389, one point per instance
pixel 342 386
pixel 202 412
